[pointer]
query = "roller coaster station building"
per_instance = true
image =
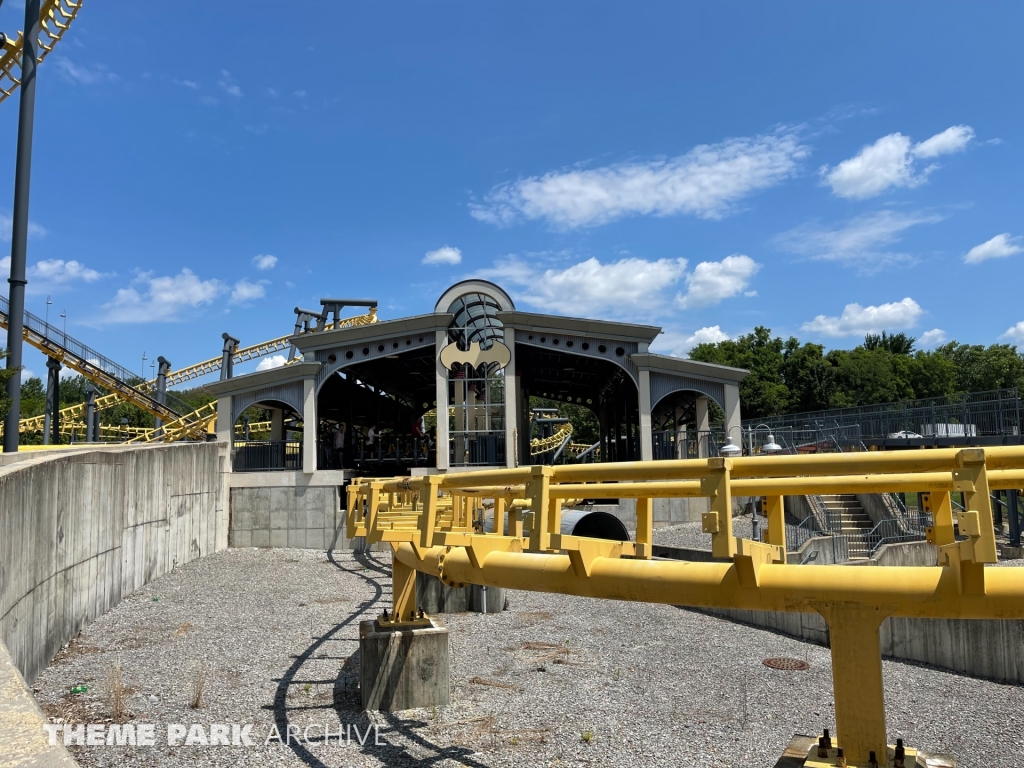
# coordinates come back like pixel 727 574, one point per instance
pixel 481 359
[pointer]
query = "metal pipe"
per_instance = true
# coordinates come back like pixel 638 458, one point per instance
pixel 19 230
pixel 913 592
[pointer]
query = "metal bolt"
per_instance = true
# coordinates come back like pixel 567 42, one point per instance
pixel 385 614
pixel 840 758
pixel 872 760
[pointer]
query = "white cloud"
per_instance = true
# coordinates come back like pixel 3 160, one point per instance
pixel 618 287
pixel 953 139
pixel 444 255
pixel 228 84
pixel 998 247
pixel 889 162
pixel 860 242
pixel 931 338
pixel 6 222
pixel 269 363
pixel 245 291
pixel 299 94
pixel 160 299
pixel 60 272
pixel 713 281
pixel 83 75
pixel 264 261
pixel 707 182
pixel 1015 333
pixel 680 344
pixel 858 321
pixel 187 84
pixel 27 373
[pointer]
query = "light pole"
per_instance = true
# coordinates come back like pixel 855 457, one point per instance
pixel 144 359
pixel 19 228
pixel 64 316
pixel 47 319
pixel 768 448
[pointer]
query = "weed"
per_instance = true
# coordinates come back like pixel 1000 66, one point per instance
pixel 618 674
pixel 118 694
pixel 587 737
pixel 198 700
pixel 514 741
pixel 307 688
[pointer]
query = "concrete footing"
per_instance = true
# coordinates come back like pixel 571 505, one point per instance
pixel 435 597
pixel 403 669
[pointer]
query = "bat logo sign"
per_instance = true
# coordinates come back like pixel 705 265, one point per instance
pixel 474 356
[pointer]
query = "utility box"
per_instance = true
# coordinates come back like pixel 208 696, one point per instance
pixel 403 668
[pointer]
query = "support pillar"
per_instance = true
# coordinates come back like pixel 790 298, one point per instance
pixel 90 414
pixel 733 426
pixel 163 367
pixel 857 681
pixel 51 427
pixel 225 424
pixel 227 356
pixel 441 396
pixel 277 424
pixel 703 427
pixel 511 404
pixel 646 438
pixel 1013 510
pixel 309 426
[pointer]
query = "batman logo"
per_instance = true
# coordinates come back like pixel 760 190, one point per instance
pixel 474 356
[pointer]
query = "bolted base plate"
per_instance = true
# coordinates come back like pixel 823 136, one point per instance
pixel 390 623
pixel 802 752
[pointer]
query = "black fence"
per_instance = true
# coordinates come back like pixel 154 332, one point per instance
pixel 267 455
pixel 477 448
pixel 996 413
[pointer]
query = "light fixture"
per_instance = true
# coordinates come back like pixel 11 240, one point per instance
pixel 771 446
pixel 729 450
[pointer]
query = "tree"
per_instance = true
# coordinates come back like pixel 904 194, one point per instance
pixel 897 343
pixel 5 376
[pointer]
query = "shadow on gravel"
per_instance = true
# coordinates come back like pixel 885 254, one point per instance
pixel 346 702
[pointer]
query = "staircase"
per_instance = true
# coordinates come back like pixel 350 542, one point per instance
pixel 846 516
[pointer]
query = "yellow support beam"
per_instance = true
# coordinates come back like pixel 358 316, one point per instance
pixel 438 538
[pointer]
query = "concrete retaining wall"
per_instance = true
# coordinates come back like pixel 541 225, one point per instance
pixel 79 530
pixel 301 517
pixel 991 648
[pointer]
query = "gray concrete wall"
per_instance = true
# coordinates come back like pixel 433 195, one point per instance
pixel 298 517
pixel 79 530
pixel 991 649
pixel 874 506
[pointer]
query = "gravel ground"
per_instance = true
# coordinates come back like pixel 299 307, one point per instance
pixel 690 535
pixel 553 681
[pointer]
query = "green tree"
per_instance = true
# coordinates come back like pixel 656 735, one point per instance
pixel 5 376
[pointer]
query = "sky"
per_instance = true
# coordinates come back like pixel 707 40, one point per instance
pixel 825 170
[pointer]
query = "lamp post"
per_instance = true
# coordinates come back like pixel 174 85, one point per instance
pixel 64 317
pixel 730 450
pixel 768 448
pixel 19 228
pixel 47 318
pixel 144 359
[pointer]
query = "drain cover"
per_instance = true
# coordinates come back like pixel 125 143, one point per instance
pixel 794 665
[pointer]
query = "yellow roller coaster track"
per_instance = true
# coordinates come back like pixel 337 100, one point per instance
pixel 56 16
pixel 431 526
pixel 75 414
pixel 544 444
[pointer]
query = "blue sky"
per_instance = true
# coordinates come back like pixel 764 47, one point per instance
pixel 822 169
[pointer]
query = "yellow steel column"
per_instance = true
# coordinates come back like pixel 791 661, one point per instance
pixel 537 491
pixel 976 500
pixel 857 680
pixel 774 510
pixel 644 527
pixel 428 517
pixel 403 590
pixel 718 522
pixel 939 504
pixel 499 517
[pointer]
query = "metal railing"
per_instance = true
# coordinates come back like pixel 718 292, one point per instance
pixel 994 412
pixel 477 448
pixel 267 456
pixel 390 449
